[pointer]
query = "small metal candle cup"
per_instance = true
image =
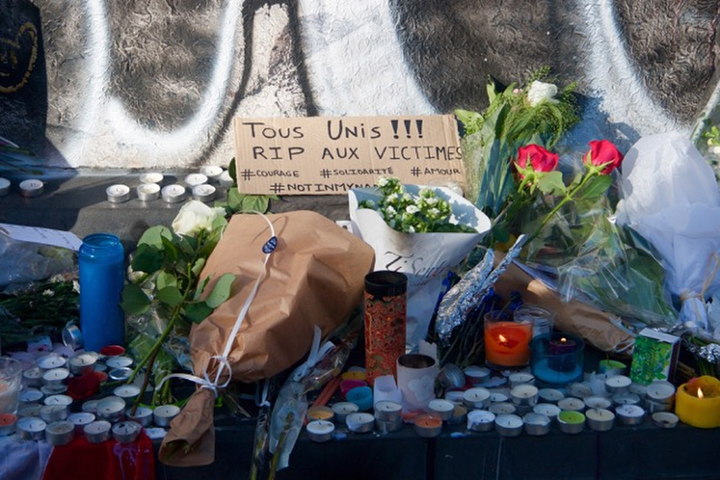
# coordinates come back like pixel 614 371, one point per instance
pixel 226 180
pixel 126 431
pixel 83 363
pixel 497 396
pixel 630 414
pixel 51 362
pixel 320 412
pixel 521 378
pixel 129 393
pixel 195 179
pixel 665 419
pixel 31 188
pixel 476 397
pixel 117 193
pixel 152 177
pixel 342 410
pixel 54 413
pixel 536 424
pixel 59 433
pixel 502 408
pixel 600 419
pixel 389 411
pixel 451 377
pixel 320 430
pixel 427 426
pixel 455 396
pixel 571 422
pixel 524 395
pixel 120 361
pixel 90 406
pixel 72 336
pixel 617 384
pixel 55 377
pixel 212 172
pixel 550 395
pixel 111 409
pixel 142 415
pixel 59 399
pixel 4 186
pixel 661 392
pixel 97 431
pixel 31 428
pixel 80 419
pixel 147 192
pixel 164 414
pixel 579 390
pixel 32 410
pixel 509 425
pixel 204 192
pixel 550 410
pixel 459 415
pixel 32 377
pixel 441 408
pixel 8 424
pixel 360 422
pixel 596 401
pixel 173 193
pixel 480 421
pixel 30 395
pixel 48 390
pixel 120 374
pixel 625 398
pixel 388 426
pixel 571 404
pixel 476 375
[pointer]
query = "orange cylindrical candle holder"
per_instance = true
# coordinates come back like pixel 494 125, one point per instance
pixel 697 402
pixel 507 341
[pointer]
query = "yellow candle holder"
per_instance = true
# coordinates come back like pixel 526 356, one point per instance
pixel 697 402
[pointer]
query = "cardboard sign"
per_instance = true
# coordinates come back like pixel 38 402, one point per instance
pixel 331 155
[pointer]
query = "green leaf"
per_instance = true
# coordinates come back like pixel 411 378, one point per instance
pixel 165 279
pixel 221 292
pixel 170 249
pixel 241 202
pixel 147 258
pixel 552 183
pixel 196 312
pixel 596 186
pixel 199 264
pixel 134 300
pixel 170 296
pixel 232 168
pixel 200 287
pixel 154 235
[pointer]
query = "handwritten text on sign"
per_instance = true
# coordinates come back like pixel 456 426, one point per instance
pixel 330 155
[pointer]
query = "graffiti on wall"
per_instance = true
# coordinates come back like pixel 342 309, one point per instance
pixel 157 83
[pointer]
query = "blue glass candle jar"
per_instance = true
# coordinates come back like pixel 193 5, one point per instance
pixel 557 359
pixel 101 260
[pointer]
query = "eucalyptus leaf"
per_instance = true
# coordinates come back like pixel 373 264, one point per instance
pixel 170 296
pixel 196 312
pixel 200 287
pixel 147 258
pixel 198 266
pixel 221 292
pixel 134 300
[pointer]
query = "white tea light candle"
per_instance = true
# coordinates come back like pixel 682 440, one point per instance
pixel 80 419
pixel 142 415
pixel 32 377
pixel 59 433
pixel 625 398
pixel 59 399
pixel 97 431
pixel 550 395
pixel 212 172
pixel 599 419
pixel 661 391
pixel 226 180
pixel 343 409
pixel 31 188
pixel 665 419
pixel 50 362
pixel 31 428
pixel 111 409
pixel 548 409
pixel 195 179
pixel 390 411
pixel 148 192
pixel 127 392
pixel 204 192
pixel 151 177
pixel 480 421
pixel 498 397
pixel 54 413
pixel 476 375
pixel 360 422
pixel 120 361
pixel 126 431
pixel 596 401
pixel 536 424
pixel 571 404
pixel 441 408
pixel 164 414
pixel 4 186
pixel 320 430
pixel 579 390
pixel 476 397
pixel 502 408
pixel 617 384
pixel 520 378
pixel 118 193
pixel 509 425
pixel 82 363
pixel 524 394
pixel 630 414
pixel 55 377
pixel 30 395
pixel 173 193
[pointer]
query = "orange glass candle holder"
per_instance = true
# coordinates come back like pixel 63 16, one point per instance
pixel 697 402
pixel 507 341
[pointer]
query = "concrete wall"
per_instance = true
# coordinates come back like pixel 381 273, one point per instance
pixel 155 83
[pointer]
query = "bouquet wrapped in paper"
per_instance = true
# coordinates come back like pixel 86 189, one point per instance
pixel 671 198
pixel 423 232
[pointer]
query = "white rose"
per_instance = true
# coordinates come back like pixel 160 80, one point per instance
pixel 195 216
pixel 540 92
pixel 412 209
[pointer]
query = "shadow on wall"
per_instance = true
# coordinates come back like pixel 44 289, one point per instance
pixel 23 92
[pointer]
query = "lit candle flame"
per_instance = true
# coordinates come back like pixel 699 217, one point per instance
pixel 563 340
pixel 502 338
pixel 700 393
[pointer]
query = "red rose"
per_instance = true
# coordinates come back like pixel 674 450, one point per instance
pixel 603 152
pixel 536 157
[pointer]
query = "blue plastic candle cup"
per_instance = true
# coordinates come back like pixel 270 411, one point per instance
pixel 101 261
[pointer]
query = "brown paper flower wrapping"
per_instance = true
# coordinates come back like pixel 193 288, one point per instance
pixel 315 276
pixel 575 317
